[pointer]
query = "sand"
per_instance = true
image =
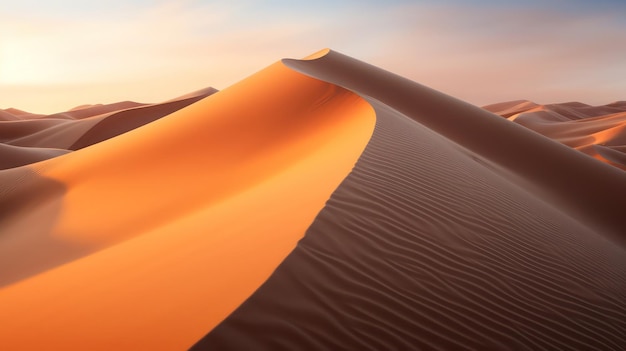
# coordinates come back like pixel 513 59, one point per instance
pixel 150 239
pixel 597 131
pixel 318 204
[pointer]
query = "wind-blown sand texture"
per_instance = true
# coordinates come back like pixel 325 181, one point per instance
pixel 318 204
pixel 598 131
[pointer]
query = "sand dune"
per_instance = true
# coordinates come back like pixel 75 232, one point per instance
pixel 85 111
pixel 5 116
pixel 444 236
pixel 540 162
pixel 598 131
pixel 201 92
pixel 148 240
pixel 507 109
pixel 20 114
pixel 318 204
pixel 85 126
pixel 15 156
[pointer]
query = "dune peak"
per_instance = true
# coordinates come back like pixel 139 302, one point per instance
pixel 317 54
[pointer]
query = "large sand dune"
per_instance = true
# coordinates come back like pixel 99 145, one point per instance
pixel 318 204
pixel 148 240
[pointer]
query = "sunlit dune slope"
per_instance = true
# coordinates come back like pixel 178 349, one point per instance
pixel 149 239
pixel 598 131
pixel 456 230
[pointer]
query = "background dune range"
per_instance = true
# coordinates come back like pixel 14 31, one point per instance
pixel 318 204
pixel 598 131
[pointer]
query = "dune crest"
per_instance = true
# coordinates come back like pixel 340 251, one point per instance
pixel 317 55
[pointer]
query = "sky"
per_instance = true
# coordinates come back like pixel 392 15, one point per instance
pixel 55 55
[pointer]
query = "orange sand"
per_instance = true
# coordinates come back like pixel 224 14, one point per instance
pixel 166 229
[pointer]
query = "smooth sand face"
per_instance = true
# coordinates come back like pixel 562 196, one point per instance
pixel 163 231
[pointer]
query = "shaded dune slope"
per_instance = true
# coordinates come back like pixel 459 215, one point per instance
pixel 6 116
pixel 15 156
pixel 598 131
pixel 557 172
pixel 85 111
pixel 148 240
pixel 124 121
pixel 84 126
pixel 28 138
pixel 13 130
pixel 509 108
pixel 13 113
pixel 433 242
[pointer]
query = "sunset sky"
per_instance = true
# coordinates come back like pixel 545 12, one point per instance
pixel 55 55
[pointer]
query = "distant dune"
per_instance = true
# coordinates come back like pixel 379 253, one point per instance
pixel 79 127
pixel 598 131
pixel 320 204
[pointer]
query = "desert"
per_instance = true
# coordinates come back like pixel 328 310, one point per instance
pixel 320 203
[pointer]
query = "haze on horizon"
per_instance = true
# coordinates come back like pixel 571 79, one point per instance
pixel 56 56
